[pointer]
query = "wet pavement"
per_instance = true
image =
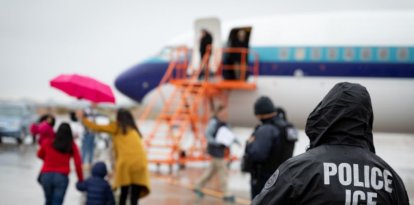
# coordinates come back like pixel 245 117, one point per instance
pixel 19 168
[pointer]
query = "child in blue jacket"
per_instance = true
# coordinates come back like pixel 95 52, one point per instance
pixel 98 190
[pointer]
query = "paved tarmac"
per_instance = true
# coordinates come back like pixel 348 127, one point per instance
pixel 19 168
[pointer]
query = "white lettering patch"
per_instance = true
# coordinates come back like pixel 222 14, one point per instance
pixel 354 176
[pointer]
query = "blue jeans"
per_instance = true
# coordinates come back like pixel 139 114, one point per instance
pixel 88 146
pixel 54 185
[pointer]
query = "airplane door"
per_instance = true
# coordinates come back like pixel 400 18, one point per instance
pixel 234 40
pixel 235 33
pixel 212 25
pixel 237 57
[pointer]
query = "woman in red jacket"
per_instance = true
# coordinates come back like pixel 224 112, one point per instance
pixel 44 128
pixel 56 154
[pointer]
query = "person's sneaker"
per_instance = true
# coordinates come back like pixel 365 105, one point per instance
pixel 231 199
pixel 198 192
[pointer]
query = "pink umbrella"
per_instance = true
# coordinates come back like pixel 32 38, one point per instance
pixel 83 87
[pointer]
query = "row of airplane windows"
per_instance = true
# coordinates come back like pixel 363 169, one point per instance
pixel 400 54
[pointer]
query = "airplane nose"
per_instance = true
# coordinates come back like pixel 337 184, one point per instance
pixel 139 80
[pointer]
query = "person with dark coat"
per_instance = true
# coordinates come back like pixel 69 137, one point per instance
pixel 263 147
pixel 239 42
pixel 340 166
pixel 235 58
pixel 206 41
pixel 98 190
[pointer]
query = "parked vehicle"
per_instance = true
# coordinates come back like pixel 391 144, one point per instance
pixel 15 120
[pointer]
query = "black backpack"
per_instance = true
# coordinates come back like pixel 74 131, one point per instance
pixel 288 137
pixel 214 149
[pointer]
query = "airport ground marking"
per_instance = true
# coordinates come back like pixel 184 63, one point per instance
pixel 206 191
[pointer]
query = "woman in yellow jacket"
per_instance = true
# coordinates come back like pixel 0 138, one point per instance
pixel 131 170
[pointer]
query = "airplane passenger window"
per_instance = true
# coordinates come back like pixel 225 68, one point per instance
pixel 349 54
pixel 383 54
pixel 300 54
pixel 402 54
pixel 316 53
pixel 332 53
pixel 284 53
pixel 365 54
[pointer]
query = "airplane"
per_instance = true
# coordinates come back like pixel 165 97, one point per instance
pixel 301 57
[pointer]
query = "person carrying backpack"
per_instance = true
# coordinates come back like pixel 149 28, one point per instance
pixel 263 148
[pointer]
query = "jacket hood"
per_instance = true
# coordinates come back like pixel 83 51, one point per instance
pixel 99 170
pixel 344 116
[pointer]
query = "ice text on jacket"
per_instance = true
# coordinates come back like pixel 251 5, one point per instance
pixel 348 175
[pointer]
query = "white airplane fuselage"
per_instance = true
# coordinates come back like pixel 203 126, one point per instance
pixel 301 57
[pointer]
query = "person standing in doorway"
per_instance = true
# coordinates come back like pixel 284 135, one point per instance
pixel 236 58
pixel 206 41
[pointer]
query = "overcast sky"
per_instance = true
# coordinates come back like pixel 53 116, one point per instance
pixel 41 39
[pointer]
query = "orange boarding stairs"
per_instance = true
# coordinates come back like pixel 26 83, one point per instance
pixel 177 136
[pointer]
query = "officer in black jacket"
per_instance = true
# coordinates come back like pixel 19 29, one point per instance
pixel 263 147
pixel 340 166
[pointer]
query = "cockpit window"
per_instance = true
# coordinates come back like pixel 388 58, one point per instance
pixel 165 53
pixel 170 52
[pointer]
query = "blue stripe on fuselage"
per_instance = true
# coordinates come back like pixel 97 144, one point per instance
pixel 337 69
pixel 335 54
pixel 316 69
pixel 387 62
pixel 383 62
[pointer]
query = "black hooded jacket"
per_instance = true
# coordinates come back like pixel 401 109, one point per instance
pixel 205 41
pixel 341 166
pixel 98 190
